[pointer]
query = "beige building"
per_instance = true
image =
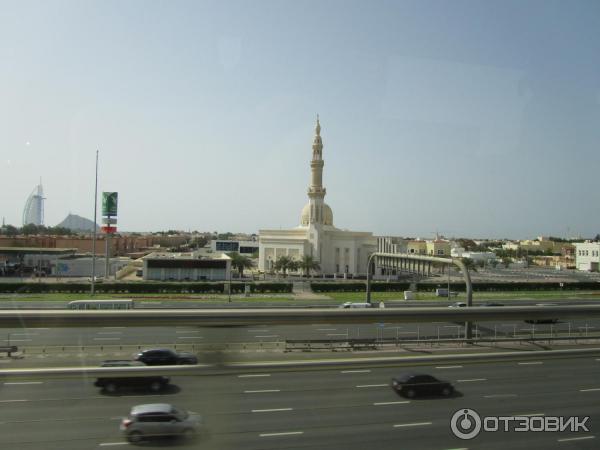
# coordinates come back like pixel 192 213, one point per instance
pixel 338 252
pixel 438 247
pixel 417 247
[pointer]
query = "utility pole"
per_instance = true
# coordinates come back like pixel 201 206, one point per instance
pixel 94 228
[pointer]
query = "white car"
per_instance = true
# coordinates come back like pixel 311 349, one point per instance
pixel 159 419
pixel 458 305
pixel 355 305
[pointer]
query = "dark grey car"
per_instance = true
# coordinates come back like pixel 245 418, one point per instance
pixel 419 384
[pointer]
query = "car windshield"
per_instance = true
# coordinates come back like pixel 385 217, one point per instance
pixel 191 191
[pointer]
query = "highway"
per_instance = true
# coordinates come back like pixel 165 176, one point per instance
pixel 178 335
pixel 350 409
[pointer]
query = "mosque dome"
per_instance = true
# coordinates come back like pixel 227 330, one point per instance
pixel 327 215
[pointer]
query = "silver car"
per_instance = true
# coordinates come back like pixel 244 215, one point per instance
pixel 159 419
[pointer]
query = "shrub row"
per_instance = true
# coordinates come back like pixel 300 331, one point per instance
pixel 142 288
pixel 477 287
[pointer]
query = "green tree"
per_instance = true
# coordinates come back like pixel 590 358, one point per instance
pixel 282 264
pixel 9 230
pixel 469 264
pixel 240 262
pixel 506 261
pixel 308 264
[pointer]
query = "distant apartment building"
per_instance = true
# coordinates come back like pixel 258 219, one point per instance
pixel 587 256
pixel 119 245
pixel 247 248
pixel 416 247
pixel 438 247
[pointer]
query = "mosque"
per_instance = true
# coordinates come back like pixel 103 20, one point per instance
pixel 339 252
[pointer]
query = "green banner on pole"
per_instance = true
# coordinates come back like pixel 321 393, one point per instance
pixel 109 203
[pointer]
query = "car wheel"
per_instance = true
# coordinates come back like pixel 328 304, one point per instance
pixel 188 434
pixel 156 386
pixel 135 436
pixel 411 393
pixel 447 391
pixel 111 388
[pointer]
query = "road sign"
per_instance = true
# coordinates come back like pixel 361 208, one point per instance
pixel 109 203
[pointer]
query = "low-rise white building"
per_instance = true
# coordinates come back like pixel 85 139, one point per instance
pixel 188 266
pixel 587 256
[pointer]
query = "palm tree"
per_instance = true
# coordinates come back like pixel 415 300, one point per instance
pixel 240 262
pixel 308 264
pixel 283 264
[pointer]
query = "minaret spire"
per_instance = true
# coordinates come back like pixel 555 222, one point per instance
pixel 316 191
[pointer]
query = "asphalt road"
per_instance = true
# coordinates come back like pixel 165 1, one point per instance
pixel 331 410
pixel 151 336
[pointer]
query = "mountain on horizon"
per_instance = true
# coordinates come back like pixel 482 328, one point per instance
pixel 78 224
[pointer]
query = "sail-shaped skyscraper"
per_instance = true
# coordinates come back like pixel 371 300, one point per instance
pixel 34 207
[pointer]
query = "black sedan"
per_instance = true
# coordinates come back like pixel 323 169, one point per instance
pixel 419 384
pixel 165 357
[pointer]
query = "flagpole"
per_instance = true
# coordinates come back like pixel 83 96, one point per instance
pixel 94 228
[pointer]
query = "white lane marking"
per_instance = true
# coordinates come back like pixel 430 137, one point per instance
pixel 151 303
pixel 371 385
pixel 271 410
pixel 24 382
pixel 285 433
pixel 107 444
pixel 107 339
pixel 471 379
pixel 257 331
pixel 415 424
pixel 12 401
pixel 356 371
pixel 190 337
pixel 589 390
pixel 106 328
pixel 530 363
pixel 391 403
pixel 20 340
pixel 576 438
pixel 187 331
pixel 110 332
pixel 259 391
pixel 337 334
pixel 449 367
pixel 267 336
pixel 34 328
pixel 326 329
pixel 23 334
pixel 251 375
pixel 499 395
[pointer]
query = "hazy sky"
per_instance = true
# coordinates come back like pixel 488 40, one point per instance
pixel 471 118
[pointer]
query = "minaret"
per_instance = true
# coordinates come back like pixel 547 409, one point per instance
pixel 316 191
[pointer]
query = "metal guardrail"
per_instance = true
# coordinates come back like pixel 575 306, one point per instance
pixel 133 348
pixel 294 365
pixel 375 344
pixel 243 317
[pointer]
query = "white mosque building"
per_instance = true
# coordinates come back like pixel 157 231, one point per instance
pixel 338 252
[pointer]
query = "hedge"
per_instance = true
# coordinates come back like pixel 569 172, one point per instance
pixel 431 287
pixel 142 288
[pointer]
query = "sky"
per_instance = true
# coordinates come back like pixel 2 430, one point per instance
pixel 464 118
